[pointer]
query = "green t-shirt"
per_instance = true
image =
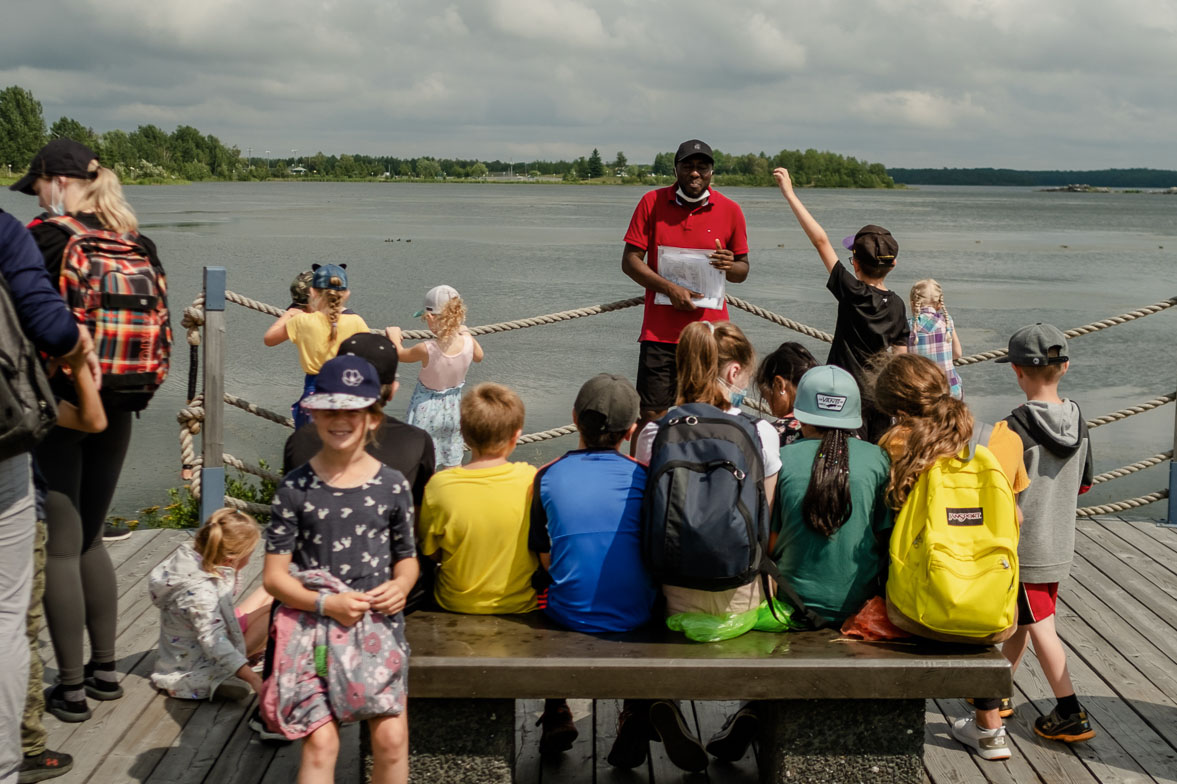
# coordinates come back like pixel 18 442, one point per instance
pixel 834 576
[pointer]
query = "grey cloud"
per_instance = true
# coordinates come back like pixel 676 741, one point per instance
pixel 1058 83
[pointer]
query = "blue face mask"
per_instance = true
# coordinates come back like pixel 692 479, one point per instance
pixel 736 396
pixel 57 201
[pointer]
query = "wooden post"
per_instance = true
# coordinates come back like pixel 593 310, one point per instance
pixel 212 473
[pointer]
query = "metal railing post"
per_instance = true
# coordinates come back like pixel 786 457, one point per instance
pixel 212 472
pixel 1171 519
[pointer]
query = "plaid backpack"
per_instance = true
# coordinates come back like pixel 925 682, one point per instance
pixel 111 285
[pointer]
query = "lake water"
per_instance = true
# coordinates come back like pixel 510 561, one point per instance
pixel 1005 257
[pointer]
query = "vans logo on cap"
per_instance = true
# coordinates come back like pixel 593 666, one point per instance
pixel 831 402
pixel 973 515
pixel 353 378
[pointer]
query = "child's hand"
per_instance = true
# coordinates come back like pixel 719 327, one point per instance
pixel 347 608
pixel 781 175
pixel 394 334
pixel 388 598
pixel 722 258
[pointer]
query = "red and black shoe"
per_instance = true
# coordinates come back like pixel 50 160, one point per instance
pixel 46 765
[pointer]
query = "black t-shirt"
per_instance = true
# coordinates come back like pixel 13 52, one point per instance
pixel 406 448
pixel 869 320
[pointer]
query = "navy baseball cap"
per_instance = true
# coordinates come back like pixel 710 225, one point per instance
pixel 344 383
pixel 321 275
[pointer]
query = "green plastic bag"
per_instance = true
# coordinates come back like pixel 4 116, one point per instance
pixel 704 627
pixel 784 620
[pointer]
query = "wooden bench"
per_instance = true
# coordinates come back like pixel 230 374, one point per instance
pixel 837 710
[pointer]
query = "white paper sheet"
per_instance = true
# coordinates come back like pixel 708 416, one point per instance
pixel 691 268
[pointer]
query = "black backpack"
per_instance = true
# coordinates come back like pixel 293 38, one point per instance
pixel 705 519
pixel 27 408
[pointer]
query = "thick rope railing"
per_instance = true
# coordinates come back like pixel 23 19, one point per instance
pixel 1122 506
pixel 776 318
pixel 1127 470
pixel 1086 329
pixel 191 416
pixel 1124 413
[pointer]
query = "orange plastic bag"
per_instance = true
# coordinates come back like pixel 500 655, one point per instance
pixel 871 623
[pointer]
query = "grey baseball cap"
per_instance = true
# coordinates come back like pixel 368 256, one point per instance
pixel 1032 345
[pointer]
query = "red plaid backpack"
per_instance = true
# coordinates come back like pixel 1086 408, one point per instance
pixel 111 285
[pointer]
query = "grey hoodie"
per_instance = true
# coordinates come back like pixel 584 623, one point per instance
pixel 1057 454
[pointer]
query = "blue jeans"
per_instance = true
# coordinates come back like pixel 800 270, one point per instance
pixel 308 388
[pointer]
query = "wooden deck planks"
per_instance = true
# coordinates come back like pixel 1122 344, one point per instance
pixel 1118 620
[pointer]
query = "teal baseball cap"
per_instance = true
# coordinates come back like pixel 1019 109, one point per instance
pixel 827 396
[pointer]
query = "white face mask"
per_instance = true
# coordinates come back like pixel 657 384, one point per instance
pixel 56 198
pixel 701 197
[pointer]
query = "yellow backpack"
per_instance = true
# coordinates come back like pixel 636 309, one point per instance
pixel 954 551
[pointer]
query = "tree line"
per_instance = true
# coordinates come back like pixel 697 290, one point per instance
pixel 151 154
pixel 1106 178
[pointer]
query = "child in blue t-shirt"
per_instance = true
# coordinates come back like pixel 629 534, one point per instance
pixel 584 523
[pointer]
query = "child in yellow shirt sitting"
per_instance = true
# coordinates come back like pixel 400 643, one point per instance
pixel 472 519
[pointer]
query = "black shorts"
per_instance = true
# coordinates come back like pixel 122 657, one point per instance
pixel 657 376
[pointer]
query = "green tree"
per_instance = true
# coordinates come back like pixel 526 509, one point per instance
pixel 621 161
pixel 114 147
pixel 595 167
pixel 22 127
pixel 663 163
pixel 69 128
pixel 477 171
pixel 428 169
pixel 406 170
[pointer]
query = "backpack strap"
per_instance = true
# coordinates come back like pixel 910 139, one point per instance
pixel 982 432
pixel 768 568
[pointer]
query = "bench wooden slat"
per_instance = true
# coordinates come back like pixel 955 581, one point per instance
pixel 468 656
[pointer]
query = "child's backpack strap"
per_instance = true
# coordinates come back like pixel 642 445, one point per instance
pixel 982 432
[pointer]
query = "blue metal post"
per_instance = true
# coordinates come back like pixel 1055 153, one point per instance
pixel 212 472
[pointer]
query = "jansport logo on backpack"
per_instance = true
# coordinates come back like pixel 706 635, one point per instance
pixel 954 551
pixel 705 515
pixel 27 410
pixel 110 284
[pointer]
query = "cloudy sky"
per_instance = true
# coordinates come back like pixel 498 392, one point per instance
pixel 1036 84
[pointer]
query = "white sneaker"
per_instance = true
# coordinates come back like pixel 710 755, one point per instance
pixel 989 744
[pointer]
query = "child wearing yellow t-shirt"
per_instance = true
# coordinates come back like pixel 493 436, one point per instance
pixel 472 519
pixel 317 333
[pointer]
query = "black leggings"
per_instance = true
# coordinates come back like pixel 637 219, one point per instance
pixel 81 592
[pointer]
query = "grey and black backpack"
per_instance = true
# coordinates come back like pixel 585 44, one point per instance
pixel 705 517
pixel 27 408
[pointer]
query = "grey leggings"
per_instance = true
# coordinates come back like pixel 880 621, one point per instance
pixel 81 593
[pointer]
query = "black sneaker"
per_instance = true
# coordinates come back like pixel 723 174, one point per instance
pixel 258 725
pixel 114 533
pixel 683 748
pixel 731 742
pixel 559 731
pixel 46 765
pixel 99 689
pixel 633 737
pixel 66 710
pixel 1068 729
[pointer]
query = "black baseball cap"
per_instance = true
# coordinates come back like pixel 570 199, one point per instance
pixel 612 397
pixel 693 147
pixel 873 245
pixel 377 349
pixel 63 157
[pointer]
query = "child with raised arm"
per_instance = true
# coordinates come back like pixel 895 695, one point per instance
pixel 871 318
pixel 204 641
pixel 932 331
pixel 444 360
pixel 340 558
pixel 318 332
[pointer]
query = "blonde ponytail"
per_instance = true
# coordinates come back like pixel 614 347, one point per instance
pixel 451 318
pixel 103 196
pixel 697 359
pixel 332 300
pixel 227 535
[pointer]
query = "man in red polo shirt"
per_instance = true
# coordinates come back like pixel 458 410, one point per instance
pixel 687 214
